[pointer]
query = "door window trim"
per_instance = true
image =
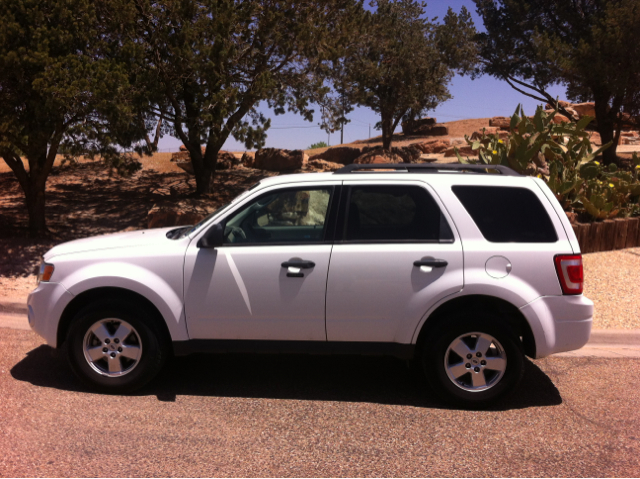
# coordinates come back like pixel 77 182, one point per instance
pixel 331 210
pixel 343 216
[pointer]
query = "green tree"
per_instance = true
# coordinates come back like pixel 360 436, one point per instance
pixel 402 63
pixel 55 76
pixel 215 61
pixel 590 46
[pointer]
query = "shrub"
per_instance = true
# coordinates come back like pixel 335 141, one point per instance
pixel 320 144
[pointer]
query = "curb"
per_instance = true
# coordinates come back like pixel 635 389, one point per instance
pixel 14 308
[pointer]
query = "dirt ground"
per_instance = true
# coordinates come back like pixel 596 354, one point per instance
pixel 86 201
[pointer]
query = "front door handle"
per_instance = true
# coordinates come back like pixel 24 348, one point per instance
pixel 295 265
pixel 434 263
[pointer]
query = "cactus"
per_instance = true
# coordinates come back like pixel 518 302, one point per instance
pixel 561 154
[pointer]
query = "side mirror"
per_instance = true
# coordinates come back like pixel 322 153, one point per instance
pixel 213 237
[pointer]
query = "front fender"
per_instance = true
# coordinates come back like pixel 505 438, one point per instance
pixel 166 297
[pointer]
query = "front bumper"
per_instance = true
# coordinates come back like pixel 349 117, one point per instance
pixel 46 304
pixel 559 323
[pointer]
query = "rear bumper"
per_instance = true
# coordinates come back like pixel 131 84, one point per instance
pixel 559 323
pixel 46 304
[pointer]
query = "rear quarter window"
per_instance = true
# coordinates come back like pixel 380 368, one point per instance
pixel 507 214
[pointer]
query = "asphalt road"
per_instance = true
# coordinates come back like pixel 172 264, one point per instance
pixel 243 415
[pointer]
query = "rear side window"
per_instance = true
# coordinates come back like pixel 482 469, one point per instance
pixel 507 215
pixel 394 214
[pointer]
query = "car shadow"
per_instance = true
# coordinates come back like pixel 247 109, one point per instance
pixel 369 379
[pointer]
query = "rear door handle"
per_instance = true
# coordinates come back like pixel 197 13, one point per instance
pixel 434 263
pixel 295 265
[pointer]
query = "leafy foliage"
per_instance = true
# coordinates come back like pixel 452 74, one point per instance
pixel 592 47
pixel 401 63
pixel 59 86
pixel 208 64
pixel 320 144
pixel 561 154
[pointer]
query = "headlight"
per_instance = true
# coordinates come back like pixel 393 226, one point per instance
pixel 45 272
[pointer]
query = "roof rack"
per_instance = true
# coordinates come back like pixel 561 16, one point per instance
pixel 427 168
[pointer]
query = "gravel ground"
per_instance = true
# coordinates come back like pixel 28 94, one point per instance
pixel 612 282
pixel 312 416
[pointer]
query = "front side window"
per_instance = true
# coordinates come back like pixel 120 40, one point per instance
pixel 394 213
pixel 282 216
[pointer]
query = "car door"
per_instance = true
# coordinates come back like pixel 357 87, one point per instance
pixel 396 254
pixel 268 280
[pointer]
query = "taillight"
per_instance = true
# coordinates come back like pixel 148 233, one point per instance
pixel 570 274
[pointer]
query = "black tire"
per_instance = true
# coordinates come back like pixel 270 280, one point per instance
pixel 437 358
pixel 146 336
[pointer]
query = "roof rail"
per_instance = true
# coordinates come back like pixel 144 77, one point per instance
pixel 427 168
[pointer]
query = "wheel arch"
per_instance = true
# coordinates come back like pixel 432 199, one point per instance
pixel 108 293
pixel 512 315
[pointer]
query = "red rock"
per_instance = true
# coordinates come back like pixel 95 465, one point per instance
pixel 339 154
pixel 585 109
pixel 323 165
pixel 276 159
pixel 501 122
pixel 462 150
pixel 489 130
pixel 411 127
pixel 378 156
pixel 432 146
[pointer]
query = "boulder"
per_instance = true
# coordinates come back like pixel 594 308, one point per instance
pixel 340 154
pixel 462 150
pixel 410 127
pixel 378 156
pixel 322 165
pixel 562 103
pixel 435 130
pixel 277 159
pixel 247 160
pixel 227 160
pixel 180 214
pixel 180 156
pixel 435 145
pixel 500 122
pixel 585 109
pixel 489 130
pixel 409 154
pixel 558 118
pixel 186 165
pixel 594 137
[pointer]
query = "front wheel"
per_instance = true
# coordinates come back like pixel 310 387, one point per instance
pixel 115 348
pixel 473 362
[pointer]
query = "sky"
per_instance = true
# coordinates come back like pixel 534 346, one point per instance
pixel 479 98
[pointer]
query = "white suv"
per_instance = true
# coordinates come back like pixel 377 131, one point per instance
pixel 463 268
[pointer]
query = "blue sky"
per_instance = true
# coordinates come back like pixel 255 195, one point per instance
pixel 483 97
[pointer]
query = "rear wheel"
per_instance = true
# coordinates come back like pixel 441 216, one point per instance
pixel 473 361
pixel 115 347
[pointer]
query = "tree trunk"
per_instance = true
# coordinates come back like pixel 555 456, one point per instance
pixel 387 133
pixel 204 168
pixel 35 199
pixel 606 125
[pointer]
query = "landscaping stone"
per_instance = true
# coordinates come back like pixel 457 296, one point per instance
pixel 413 127
pixel 378 156
pixel 323 165
pixel 344 155
pixel 432 146
pixel 277 159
